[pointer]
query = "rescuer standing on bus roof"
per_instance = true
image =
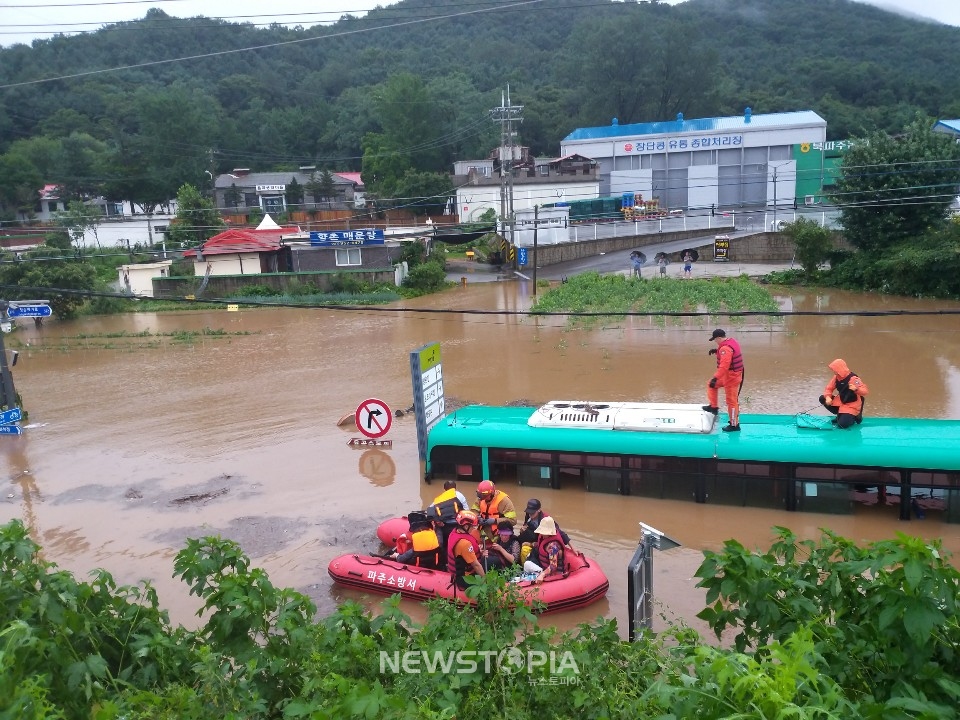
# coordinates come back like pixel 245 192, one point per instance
pixel 847 404
pixel 729 376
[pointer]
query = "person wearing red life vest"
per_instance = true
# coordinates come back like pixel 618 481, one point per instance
pixel 729 376
pixel 549 561
pixel 844 395
pixel 464 549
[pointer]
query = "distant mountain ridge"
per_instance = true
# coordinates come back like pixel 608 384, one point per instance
pixel 570 63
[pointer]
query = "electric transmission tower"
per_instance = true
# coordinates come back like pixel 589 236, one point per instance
pixel 507 115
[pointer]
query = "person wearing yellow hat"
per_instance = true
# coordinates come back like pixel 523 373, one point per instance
pixel 549 561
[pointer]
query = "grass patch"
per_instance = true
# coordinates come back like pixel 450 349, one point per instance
pixel 618 295
pixel 124 340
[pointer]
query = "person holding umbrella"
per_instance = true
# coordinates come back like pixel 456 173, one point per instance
pixel 638 259
pixel 662 262
pixel 688 259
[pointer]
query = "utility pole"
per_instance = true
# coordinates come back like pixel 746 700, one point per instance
pixel 774 199
pixel 212 172
pixel 536 225
pixel 507 115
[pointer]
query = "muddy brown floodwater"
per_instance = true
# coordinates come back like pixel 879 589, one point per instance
pixel 144 435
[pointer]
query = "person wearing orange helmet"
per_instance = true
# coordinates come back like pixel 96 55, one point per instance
pixel 494 507
pixel 844 395
pixel 464 549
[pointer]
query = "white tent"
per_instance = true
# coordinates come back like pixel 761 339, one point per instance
pixel 268 224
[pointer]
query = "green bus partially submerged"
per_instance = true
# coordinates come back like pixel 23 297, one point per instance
pixel 677 452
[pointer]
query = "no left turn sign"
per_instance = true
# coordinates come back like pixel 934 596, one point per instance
pixel 374 418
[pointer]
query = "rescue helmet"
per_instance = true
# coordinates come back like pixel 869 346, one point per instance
pixel 467 518
pixel 486 489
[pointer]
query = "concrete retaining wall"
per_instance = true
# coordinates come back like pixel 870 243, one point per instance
pixel 763 247
pixel 553 254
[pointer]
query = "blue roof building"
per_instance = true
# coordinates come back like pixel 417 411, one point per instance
pixel 724 162
pixel 949 127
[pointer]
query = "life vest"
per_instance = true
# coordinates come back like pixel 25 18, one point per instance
pixel 844 391
pixel 446 505
pixel 543 558
pixel 736 363
pixel 426 548
pixel 491 509
pixel 425 540
pixel 456 536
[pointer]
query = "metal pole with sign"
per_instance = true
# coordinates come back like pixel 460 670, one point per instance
pixel 640 580
pixel 8 393
pixel 427 374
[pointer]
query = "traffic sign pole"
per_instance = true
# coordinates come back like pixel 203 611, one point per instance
pixel 8 393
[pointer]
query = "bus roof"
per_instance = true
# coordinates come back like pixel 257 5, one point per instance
pixel 921 444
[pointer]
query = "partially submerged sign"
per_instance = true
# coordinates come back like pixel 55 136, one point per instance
pixel 426 372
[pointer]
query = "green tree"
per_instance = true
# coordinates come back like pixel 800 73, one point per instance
pixel 294 194
pixel 79 219
pixel 425 193
pixel 20 183
pixel 197 220
pixel 410 138
pixel 59 240
pixel 320 186
pixel 883 617
pixel 41 277
pixel 893 189
pixel 384 163
pixel 232 196
pixel 643 76
pixel 812 242
pixel 148 159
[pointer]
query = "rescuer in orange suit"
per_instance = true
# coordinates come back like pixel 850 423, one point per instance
pixel 844 395
pixel 729 376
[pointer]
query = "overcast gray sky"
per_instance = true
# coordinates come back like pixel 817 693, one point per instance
pixel 24 20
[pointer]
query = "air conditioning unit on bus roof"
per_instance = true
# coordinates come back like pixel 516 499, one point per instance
pixel 642 417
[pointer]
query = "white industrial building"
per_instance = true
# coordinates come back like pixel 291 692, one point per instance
pixel 725 162
pixel 533 181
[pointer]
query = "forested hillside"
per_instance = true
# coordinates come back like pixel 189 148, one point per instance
pixel 136 109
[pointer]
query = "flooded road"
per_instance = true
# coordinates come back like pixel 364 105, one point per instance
pixel 154 428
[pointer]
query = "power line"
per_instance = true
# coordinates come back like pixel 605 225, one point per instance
pixel 345 33
pixel 475 312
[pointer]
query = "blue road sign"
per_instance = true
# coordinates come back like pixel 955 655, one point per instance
pixel 10 416
pixel 29 311
pixel 11 430
pixel 521 256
